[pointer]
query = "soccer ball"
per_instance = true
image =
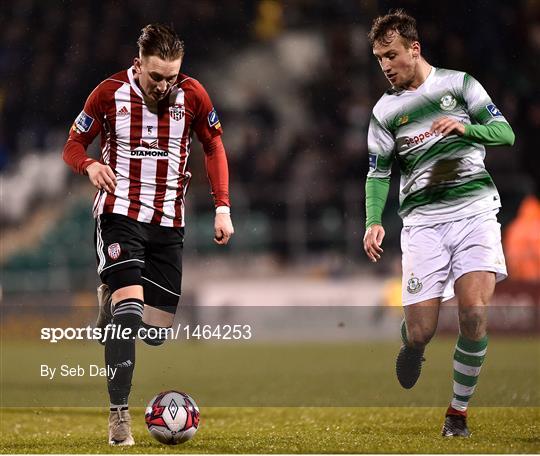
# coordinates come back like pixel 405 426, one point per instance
pixel 172 417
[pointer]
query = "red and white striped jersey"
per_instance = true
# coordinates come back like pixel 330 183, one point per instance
pixel 148 150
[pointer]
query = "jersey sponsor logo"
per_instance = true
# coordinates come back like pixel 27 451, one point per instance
pixel 448 102
pixel 149 150
pixel 114 251
pixel 414 285
pixel 152 145
pixel 493 110
pixel 213 120
pixel 140 152
pixel 83 123
pixel 177 112
pixel 372 161
pixel 418 139
pixel 122 112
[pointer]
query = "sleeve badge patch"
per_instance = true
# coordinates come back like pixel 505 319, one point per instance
pixel 372 161
pixel 493 110
pixel 213 119
pixel 83 122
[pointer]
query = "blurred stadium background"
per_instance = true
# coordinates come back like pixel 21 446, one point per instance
pixel 294 83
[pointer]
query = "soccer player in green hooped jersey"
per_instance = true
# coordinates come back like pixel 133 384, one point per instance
pixel 435 123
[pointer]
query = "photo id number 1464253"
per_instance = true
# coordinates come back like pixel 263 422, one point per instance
pixel 220 332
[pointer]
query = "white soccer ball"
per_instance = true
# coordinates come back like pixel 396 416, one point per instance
pixel 172 417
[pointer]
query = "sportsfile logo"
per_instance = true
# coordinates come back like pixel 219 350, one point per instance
pixel 118 332
pixel 110 332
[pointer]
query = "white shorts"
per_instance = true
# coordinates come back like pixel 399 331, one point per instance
pixel 435 256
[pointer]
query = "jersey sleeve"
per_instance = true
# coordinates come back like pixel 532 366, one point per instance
pixel 381 146
pixel 88 123
pixel 215 160
pixel 206 122
pixel 481 109
pixel 85 128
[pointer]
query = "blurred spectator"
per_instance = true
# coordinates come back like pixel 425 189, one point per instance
pixel 522 241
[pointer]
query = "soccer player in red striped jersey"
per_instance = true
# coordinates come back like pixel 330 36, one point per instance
pixel 146 116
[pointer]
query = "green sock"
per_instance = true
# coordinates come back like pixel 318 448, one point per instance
pixel 468 358
pixel 403 331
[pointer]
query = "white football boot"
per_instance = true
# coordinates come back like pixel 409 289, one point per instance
pixel 120 428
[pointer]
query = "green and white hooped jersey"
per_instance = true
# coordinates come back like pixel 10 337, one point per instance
pixel 442 179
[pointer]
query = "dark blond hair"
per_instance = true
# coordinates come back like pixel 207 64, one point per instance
pixel 396 21
pixel 160 40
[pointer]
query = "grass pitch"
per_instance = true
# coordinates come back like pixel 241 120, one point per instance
pixel 304 374
pixel 280 430
pixel 275 398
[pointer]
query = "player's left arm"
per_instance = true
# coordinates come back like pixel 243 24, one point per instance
pixel 217 170
pixel 489 126
pixel 208 129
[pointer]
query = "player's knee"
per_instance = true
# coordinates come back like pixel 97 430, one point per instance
pixel 419 336
pixel 473 322
pixel 128 313
pixel 128 306
pixel 123 278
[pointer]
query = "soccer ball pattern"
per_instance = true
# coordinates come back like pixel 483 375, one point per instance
pixel 172 417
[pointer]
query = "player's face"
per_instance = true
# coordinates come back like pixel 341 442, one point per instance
pixel 156 76
pixel 398 61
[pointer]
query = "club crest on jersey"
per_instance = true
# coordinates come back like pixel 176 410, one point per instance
pixel 213 119
pixel 414 285
pixel 493 110
pixel 448 102
pixel 177 112
pixel 83 123
pixel 114 251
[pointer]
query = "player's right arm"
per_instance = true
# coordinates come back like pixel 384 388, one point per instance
pixel 85 128
pixel 381 145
